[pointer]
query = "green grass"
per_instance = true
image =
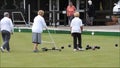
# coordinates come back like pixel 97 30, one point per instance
pixel 22 56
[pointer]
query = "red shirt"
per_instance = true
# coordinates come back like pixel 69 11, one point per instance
pixel 70 10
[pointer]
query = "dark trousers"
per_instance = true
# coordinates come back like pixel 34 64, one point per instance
pixel 6 38
pixel 77 40
pixel 70 19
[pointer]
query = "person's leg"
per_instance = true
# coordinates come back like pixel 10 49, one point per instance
pixel 69 20
pixel 34 41
pixel 3 38
pixel 74 40
pixel 3 35
pixel 71 17
pixel 35 47
pixel 87 19
pixel 2 48
pixel 79 40
pixel 7 37
pixel 38 41
pixel 91 20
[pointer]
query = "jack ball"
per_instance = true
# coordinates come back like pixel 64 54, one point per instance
pixel 69 45
pixel 62 47
pixel 116 45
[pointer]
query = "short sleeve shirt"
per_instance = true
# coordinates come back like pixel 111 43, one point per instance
pixel 75 25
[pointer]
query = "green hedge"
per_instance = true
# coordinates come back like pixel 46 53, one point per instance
pixel 68 32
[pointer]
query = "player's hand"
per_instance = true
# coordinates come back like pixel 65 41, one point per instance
pixel 46 28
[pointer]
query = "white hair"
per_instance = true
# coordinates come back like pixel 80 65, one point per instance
pixel 6 14
pixel 89 2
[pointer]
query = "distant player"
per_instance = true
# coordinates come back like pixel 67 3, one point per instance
pixel 76 30
pixel 6 28
pixel 91 13
pixel 37 29
pixel 70 12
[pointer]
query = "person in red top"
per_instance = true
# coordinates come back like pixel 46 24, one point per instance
pixel 70 11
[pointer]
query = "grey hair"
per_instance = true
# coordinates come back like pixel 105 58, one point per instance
pixel 6 14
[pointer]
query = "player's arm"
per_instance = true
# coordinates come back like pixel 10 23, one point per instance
pixel 44 24
pixel 81 27
pixel 12 26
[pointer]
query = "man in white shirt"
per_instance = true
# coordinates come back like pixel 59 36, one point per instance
pixel 6 28
pixel 76 30
pixel 37 29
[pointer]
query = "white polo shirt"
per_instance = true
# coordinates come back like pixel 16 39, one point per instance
pixel 6 24
pixel 75 25
pixel 38 24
